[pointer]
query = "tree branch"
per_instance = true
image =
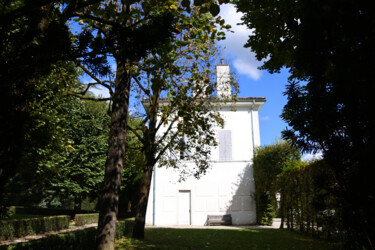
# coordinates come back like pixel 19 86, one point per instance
pixel 166 147
pixel 102 83
pixel 167 131
pixel 97 19
pixel 135 132
pixel 90 98
pixel 146 91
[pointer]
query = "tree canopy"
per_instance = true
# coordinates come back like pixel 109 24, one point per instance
pixel 128 31
pixel 328 49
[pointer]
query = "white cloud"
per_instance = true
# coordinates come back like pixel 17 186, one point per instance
pixel 265 118
pixel 99 91
pixel 310 157
pixel 243 59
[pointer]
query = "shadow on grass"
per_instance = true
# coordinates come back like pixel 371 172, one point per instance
pixel 167 238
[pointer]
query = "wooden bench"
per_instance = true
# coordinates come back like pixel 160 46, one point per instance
pixel 213 220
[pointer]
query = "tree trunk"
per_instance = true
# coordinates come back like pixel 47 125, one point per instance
pixel 282 210
pixel 140 218
pixel 115 157
pixel 77 204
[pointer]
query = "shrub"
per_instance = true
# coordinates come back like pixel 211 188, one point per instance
pixel 82 219
pixel 124 227
pixel 10 229
pixel 43 211
pixel 308 202
pixel 268 163
pixel 76 240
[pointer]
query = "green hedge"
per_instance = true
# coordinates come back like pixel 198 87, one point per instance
pixel 44 211
pixel 80 239
pixel 76 240
pixel 124 227
pixel 82 219
pixel 10 229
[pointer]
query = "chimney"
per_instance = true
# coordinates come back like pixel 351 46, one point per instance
pixel 223 80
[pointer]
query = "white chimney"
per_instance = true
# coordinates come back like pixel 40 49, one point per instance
pixel 224 89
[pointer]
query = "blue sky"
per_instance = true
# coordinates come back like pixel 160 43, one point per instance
pixel 253 82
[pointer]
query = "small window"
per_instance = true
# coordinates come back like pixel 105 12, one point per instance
pixel 183 153
pixel 182 150
pixel 225 145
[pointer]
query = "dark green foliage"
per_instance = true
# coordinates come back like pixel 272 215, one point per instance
pixel 17 210
pixel 81 172
pixel 328 48
pixel 124 227
pixel 67 159
pixel 10 229
pixel 269 161
pixel 81 239
pixel 77 240
pixel 34 36
pixel 82 219
pixel 310 202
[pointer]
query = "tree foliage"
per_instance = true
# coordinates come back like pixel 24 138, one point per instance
pixel 327 47
pixel 128 31
pixel 45 137
pixel 269 161
pixel 34 36
pixel 310 203
pixel 81 174
pixel 69 140
pixel 173 93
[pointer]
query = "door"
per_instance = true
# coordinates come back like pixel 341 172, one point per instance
pixel 184 207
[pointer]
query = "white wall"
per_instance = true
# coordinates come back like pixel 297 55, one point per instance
pixel 227 188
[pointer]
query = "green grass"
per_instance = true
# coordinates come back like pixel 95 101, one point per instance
pixel 165 238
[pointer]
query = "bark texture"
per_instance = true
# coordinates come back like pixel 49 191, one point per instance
pixel 114 163
pixel 140 218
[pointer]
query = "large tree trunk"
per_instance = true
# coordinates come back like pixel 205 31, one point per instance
pixel 114 163
pixel 140 218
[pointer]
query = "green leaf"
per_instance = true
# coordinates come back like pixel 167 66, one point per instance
pixel 198 2
pixel 185 3
pixel 214 9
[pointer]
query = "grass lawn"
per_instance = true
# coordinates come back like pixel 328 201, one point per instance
pixel 166 238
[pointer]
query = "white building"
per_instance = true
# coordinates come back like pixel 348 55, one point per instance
pixel 228 186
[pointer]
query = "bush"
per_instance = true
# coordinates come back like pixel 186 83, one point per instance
pixel 268 163
pixel 43 211
pixel 124 227
pixel 82 219
pixel 76 240
pixel 10 229
pixel 308 202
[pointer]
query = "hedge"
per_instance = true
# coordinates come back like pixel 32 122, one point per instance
pixel 82 219
pixel 308 202
pixel 10 229
pixel 44 211
pixel 80 239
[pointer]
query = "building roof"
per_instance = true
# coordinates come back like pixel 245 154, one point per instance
pixel 254 102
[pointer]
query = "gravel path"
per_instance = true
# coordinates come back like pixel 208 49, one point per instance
pixel 275 225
